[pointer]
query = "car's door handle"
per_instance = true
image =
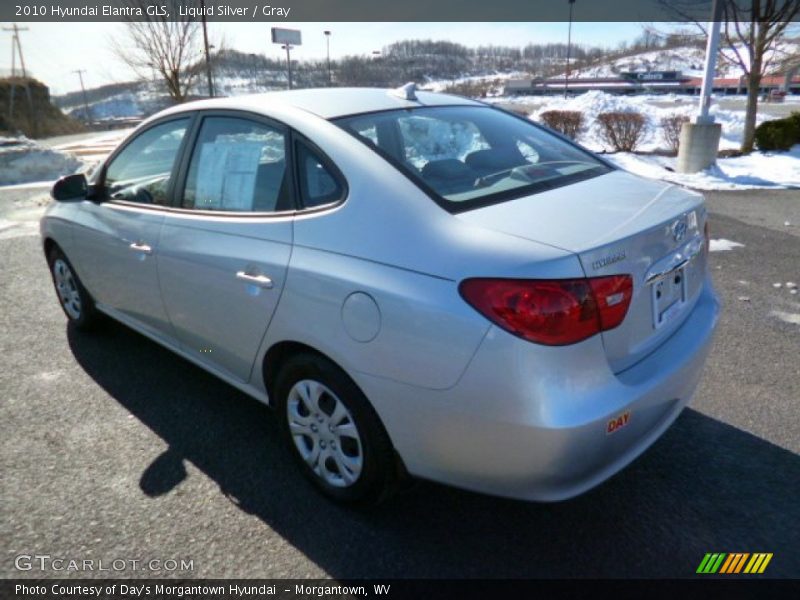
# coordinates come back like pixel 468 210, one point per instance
pixel 259 280
pixel 141 247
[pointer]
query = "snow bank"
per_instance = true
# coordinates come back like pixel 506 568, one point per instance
pixel 23 160
pixel 754 171
pixel 654 108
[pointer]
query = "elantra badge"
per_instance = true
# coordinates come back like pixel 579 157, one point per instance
pixel 608 260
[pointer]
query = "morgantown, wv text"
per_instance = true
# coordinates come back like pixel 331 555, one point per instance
pixel 180 591
pixel 151 10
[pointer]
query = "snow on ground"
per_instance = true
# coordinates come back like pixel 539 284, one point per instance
pixel 753 171
pixel 757 170
pixel 26 163
pixel 786 317
pixel 23 160
pixel 723 245
pixel 15 229
pixel 91 150
pixel 653 107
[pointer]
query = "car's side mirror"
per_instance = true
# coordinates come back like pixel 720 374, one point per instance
pixel 70 187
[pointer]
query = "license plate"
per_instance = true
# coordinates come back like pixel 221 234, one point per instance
pixel 669 295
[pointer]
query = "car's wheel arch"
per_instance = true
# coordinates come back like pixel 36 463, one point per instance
pixel 282 351
pixel 49 244
pixel 277 355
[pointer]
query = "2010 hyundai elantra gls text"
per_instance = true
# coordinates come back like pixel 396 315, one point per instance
pixel 417 283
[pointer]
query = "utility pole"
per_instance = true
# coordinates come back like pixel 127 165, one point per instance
pixel 87 115
pixel 569 47
pixel 16 46
pixel 328 43
pixel 15 42
pixel 205 44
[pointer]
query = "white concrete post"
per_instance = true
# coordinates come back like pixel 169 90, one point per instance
pixel 699 141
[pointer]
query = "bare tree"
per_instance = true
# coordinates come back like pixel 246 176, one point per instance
pixel 168 46
pixel 752 31
pixel 753 40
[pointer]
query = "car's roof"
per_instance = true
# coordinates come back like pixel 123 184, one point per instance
pixel 329 103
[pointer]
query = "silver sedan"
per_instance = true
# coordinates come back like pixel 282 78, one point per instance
pixel 418 283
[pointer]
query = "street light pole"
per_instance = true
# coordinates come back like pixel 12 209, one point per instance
pixel 569 47
pixel 288 63
pixel 328 44
pixel 712 45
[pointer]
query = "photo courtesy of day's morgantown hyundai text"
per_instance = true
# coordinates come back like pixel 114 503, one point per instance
pixel 418 284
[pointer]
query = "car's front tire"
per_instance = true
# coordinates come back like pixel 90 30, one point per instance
pixel 333 431
pixel 75 301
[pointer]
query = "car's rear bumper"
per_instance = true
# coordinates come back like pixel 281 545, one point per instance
pixel 531 422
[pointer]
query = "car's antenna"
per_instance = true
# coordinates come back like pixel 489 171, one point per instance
pixel 406 92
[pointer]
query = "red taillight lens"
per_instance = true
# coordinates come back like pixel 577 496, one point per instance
pixel 552 312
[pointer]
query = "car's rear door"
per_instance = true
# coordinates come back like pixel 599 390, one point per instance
pixel 225 245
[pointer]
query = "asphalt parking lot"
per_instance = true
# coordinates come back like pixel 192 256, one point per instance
pixel 113 448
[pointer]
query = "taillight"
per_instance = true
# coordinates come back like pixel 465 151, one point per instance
pixel 554 312
pixel 707 236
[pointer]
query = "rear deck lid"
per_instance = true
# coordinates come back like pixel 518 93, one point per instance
pixel 620 224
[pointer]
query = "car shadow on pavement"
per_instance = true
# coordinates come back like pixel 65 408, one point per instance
pixel 704 487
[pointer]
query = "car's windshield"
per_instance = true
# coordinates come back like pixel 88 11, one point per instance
pixel 473 155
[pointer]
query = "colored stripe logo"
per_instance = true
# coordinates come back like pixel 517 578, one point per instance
pixel 734 563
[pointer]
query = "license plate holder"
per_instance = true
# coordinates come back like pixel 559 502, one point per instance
pixel 669 294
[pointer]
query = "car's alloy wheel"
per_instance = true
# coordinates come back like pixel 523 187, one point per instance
pixel 324 433
pixel 333 431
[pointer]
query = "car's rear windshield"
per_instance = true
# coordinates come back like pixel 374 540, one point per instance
pixel 470 156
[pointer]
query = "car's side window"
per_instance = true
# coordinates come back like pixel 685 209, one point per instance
pixel 238 165
pixel 318 184
pixel 141 171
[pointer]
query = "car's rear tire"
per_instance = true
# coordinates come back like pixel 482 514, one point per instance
pixel 333 432
pixel 75 301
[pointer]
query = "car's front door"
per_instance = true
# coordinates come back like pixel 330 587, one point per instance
pixel 225 247
pixel 116 241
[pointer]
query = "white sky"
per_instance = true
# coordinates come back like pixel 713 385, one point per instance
pixel 53 51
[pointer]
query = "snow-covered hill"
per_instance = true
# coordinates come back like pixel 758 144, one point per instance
pixel 688 60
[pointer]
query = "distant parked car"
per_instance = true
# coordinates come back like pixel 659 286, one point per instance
pixel 775 96
pixel 415 282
